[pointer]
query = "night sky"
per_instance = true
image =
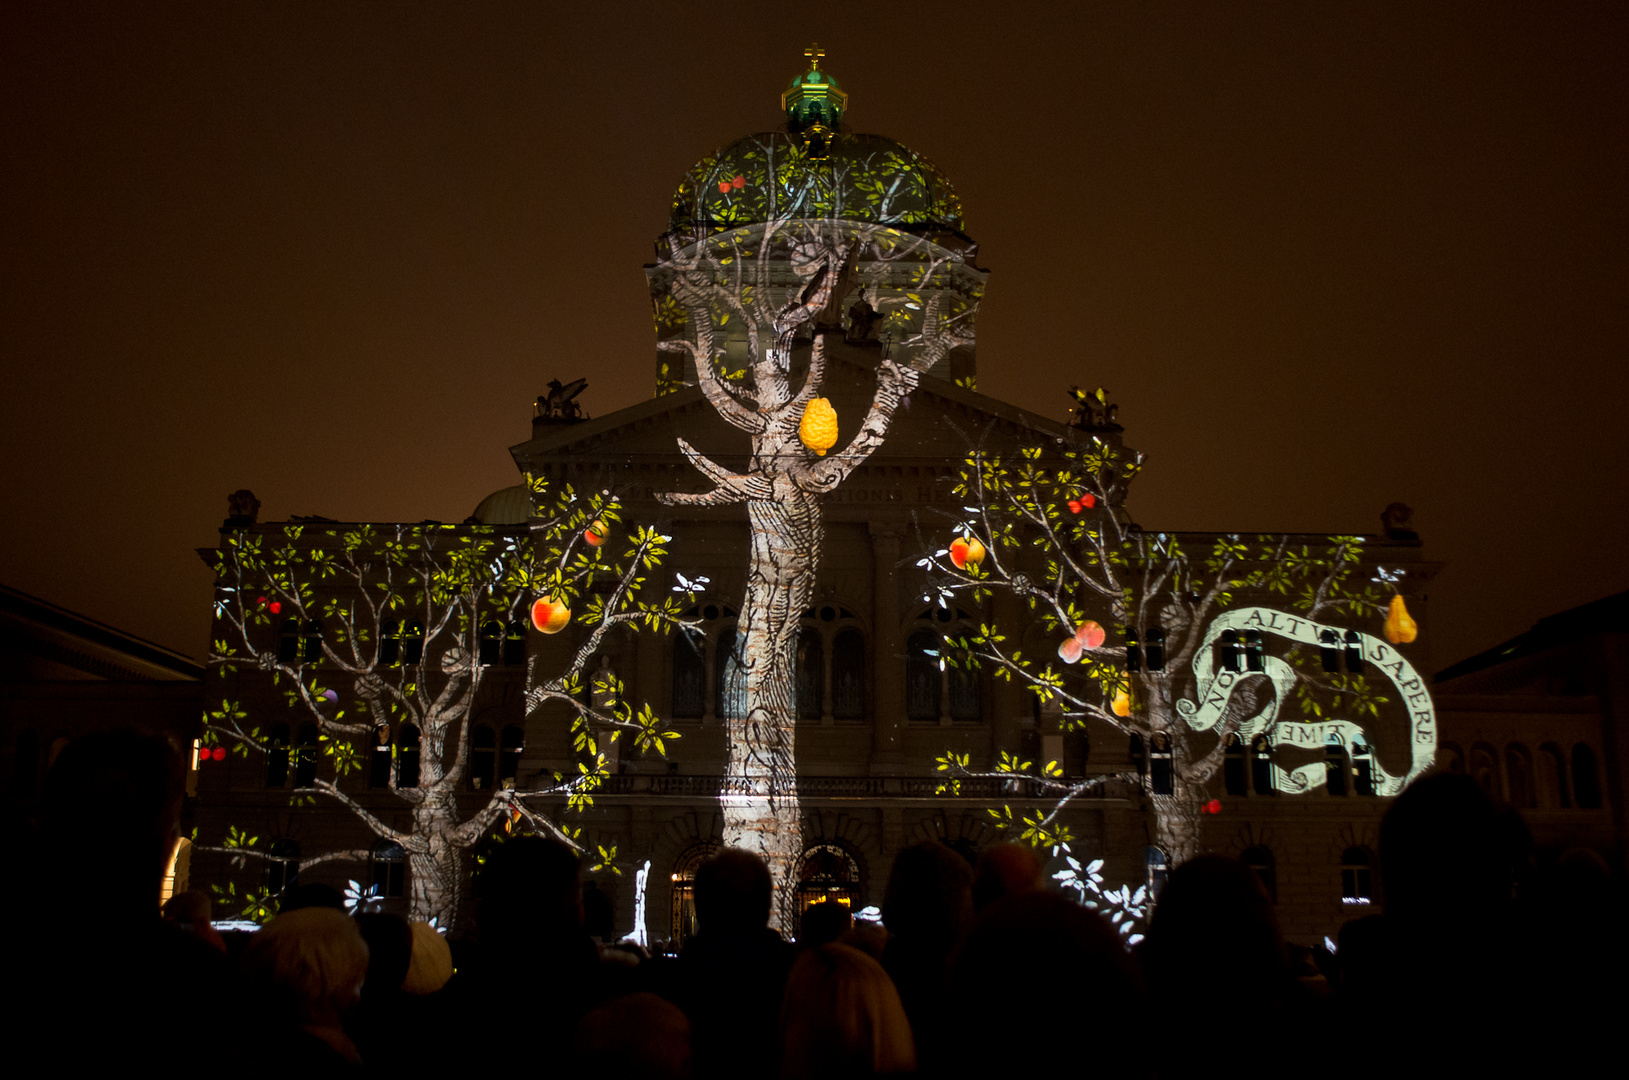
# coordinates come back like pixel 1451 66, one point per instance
pixel 1325 256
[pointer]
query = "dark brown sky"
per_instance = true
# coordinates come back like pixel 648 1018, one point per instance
pixel 1326 256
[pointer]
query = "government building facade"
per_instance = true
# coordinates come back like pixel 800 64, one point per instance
pixel 386 700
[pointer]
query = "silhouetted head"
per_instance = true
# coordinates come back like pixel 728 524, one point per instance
pixel 390 950
pixel 122 791
pixel 1041 947
pixel 1449 852
pixel 529 886
pixel 312 894
pixel 432 964
pixel 824 923
pixel 841 1017
pixel 733 890
pixel 1005 870
pixel 930 896
pixel 1214 924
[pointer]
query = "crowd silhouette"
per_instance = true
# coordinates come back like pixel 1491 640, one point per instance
pixel 976 970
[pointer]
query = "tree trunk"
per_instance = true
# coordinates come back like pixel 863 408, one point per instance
pixel 1176 823
pixel 760 799
pixel 434 863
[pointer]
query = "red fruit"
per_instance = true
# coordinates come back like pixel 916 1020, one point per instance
pixel 1074 506
pixel 723 187
pixel 959 552
pixel 594 535
pixel 1214 806
pixel 275 606
pixel 261 601
pixel 1088 500
pixel 549 615
pixel 1069 652
pixel 739 182
pixel 219 753
pixel 1090 635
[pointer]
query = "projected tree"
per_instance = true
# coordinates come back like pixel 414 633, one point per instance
pixel 380 639
pixel 726 279
pixel 1191 650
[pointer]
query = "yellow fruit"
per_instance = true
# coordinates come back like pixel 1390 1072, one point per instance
pixel 1400 626
pixel 1121 705
pixel 818 428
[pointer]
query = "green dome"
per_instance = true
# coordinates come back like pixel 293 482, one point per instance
pixel 856 177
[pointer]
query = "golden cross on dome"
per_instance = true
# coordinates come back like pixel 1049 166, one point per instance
pixel 814 52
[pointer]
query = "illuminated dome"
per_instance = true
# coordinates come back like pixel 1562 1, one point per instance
pixel 815 170
pixel 506 506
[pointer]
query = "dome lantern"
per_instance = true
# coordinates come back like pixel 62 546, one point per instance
pixel 814 104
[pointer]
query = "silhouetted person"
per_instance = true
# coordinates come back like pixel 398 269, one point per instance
pixel 533 958
pixel 190 911
pixel 100 981
pixel 1040 959
pixel 304 972
pixel 732 973
pixel 823 923
pixel 1005 870
pixel 381 1024
pixel 1214 936
pixel 927 908
pixel 1448 950
pixel 842 1018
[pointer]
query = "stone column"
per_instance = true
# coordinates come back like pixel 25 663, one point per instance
pixel 887 704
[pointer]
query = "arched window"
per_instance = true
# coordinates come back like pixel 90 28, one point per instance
pixel 1362 768
pixel 1357 887
pixel 811 673
pixel 379 758
pixel 1335 765
pixel 312 652
pixel 1156 870
pixel 277 756
pixel 684 893
pixel 1260 859
pixel 1519 770
pixel 483 756
pixel 305 757
pixel 731 679
pixel 1261 765
pixel 689 675
pixel 288 641
pixel 1552 766
pixel 407 756
pixel 390 643
pixel 1329 651
pixel 922 669
pixel 848 675
pixel 1156 648
pixel 511 744
pixel 175 875
pixel 827 872
pixel 1586 783
pixel 1354 652
pixel 1159 765
pixel 1485 769
pixel 966 695
pixel 491 642
pixel 413 643
pixel 1235 774
pixel 283 867
pixel 1228 654
pixel 1450 758
pixel 1134 650
pixel 389 865
pixel 1254 656
pixel 514 644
